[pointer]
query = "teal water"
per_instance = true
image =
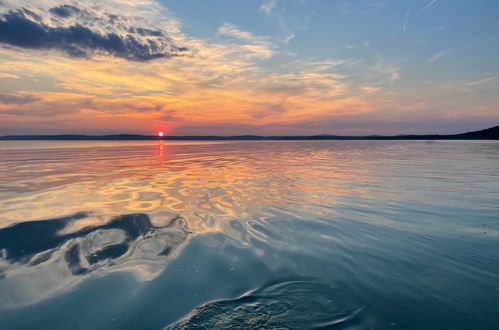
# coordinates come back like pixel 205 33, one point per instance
pixel 249 235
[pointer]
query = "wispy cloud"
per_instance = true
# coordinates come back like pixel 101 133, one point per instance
pixel 479 82
pixel 385 71
pixel 4 75
pixel 438 55
pixel 288 22
pixel 229 29
pixel 406 20
pixel 370 89
pixel 362 45
pixel 260 46
pixel 428 6
pixel 267 6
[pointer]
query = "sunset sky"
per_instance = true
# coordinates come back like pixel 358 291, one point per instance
pixel 231 67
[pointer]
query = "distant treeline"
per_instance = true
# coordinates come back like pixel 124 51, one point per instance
pixel 486 134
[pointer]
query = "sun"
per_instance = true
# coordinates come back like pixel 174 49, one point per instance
pixel 161 134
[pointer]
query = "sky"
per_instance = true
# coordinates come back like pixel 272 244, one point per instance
pixel 234 67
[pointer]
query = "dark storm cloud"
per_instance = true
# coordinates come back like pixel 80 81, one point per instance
pixel 24 28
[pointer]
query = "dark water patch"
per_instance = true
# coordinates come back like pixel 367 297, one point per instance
pixel 72 257
pixel 40 259
pixel 24 240
pixel 295 304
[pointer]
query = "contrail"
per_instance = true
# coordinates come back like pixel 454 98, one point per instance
pixel 406 18
pixel 438 55
pixel 479 82
pixel 427 7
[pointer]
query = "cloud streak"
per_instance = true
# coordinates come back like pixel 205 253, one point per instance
pixel 428 6
pixel 438 55
pixel 482 81
pixel 406 20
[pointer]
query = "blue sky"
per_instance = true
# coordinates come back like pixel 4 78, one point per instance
pixel 252 67
pixel 465 33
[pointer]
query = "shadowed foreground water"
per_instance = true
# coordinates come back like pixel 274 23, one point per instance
pixel 267 234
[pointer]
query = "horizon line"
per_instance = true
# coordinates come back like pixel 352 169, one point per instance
pixel 492 132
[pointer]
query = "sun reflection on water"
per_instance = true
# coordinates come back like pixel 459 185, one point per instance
pixel 198 181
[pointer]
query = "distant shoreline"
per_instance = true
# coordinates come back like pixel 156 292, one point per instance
pixel 486 134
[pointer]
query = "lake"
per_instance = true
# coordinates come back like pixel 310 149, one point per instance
pixel 249 234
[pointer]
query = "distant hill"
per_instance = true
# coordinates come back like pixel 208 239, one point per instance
pixel 486 134
pixel 489 133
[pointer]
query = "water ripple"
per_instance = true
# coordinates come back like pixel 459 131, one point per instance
pixel 408 229
pixel 296 304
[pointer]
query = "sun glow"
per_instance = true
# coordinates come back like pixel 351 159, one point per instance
pixel 160 134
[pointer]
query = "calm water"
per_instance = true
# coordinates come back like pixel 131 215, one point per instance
pixel 259 235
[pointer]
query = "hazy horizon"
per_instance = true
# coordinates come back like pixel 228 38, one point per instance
pixel 261 135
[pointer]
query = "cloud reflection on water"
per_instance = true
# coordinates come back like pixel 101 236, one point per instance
pixel 41 259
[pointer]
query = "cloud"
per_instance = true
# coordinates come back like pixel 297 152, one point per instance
pixel 231 30
pixel 428 6
pixel 438 55
pixel 267 6
pixel 4 75
pixel 406 20
pixel 223 87
pixel 84 32
pixel 259 46
pixel 223 83
pixel 479 82
pixel 287 21
pixel 64 11
pixel 357 46
pixel 17 99
pixel 384 71
pixel 370 89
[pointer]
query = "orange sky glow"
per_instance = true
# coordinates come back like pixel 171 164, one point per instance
pixel 235 81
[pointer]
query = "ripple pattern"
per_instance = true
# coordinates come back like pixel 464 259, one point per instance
pixel 294 304
pixel 407 230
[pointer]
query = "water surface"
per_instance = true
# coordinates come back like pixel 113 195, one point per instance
pixel 264 234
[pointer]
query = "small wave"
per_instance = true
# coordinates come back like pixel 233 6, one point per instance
pixel 40 259
pixel 284 305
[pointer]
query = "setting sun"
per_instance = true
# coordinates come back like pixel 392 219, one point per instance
pixel 161 134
